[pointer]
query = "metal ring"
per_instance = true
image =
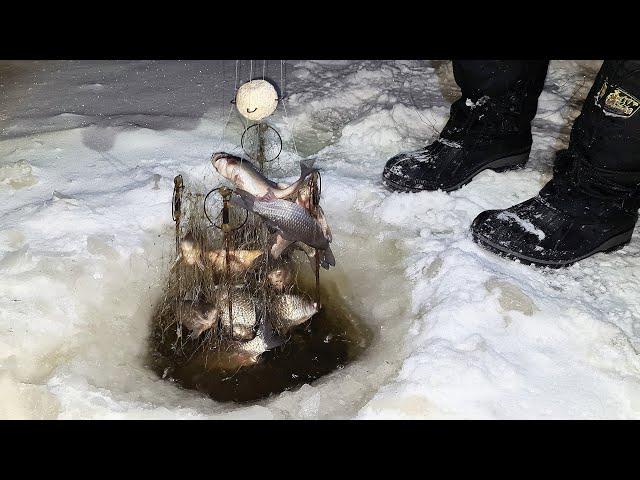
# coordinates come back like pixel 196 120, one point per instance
pixel 219 227
pixel 269 127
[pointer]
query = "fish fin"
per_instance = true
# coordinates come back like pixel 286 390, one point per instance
pixel 243 193
pixel 271 224
pixel 279 246
pixel 306 167
pixel 269 196
pixel 243 200
pixel 328 258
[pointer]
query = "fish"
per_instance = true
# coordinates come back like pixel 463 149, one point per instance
pixel 290 310
pixel 292 222
pixel 266 339
pixel 190 251
pixel 280 277
pixel 239 260
pixel 198 317
pixel 245 176
pixel 238 354
pixel 304 200
pixel 243 311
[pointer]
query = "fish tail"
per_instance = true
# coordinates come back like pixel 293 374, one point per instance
pixel 307 168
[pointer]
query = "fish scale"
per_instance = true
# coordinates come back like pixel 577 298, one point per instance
pixel 290 310
pixel 243 310
pixel 293 220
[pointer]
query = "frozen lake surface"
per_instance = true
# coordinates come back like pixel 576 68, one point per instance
pixel 88 152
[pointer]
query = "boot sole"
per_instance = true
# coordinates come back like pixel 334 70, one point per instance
pixel 512 162
pixel 614 243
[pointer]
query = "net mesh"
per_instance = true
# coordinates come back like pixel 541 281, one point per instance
pixel 224 284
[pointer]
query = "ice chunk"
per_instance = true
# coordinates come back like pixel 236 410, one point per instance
pixel 99 245
pixel 17 175
pixel 511 297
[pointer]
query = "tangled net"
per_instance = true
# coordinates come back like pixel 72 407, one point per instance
pixel 226 298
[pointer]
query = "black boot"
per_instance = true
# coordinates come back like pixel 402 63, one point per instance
pixel 591 204
pixel 489 128
pixel 578 213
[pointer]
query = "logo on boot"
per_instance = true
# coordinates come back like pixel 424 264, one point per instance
pixel 616 102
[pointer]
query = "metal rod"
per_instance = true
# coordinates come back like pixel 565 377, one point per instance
pixel 226 229
pixel 260 153
pixel 176 213
pixel 313 203
pixel 176 207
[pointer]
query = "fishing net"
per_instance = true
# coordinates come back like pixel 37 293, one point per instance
pixel 225 289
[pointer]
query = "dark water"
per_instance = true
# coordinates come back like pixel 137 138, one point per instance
pixel 329 341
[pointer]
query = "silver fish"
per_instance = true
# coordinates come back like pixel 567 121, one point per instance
pixel 198 317
pixel 243 312
pixel 246 177
pixel 240 354
pixel 292 221
pixel 290 310
pixel 265 339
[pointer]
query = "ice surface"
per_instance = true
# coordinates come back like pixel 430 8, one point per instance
pixel 88 151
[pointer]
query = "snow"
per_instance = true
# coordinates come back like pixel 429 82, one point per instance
pixel 88 153
pixel 526 225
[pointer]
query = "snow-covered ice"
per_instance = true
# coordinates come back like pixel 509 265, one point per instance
pixel 88 151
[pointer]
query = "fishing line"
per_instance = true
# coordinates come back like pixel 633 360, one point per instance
pixel 284 105
pixel 235 85
pixel 428 123
pixel 574 95
pixel 231 107
pixel 282 79
pixel 286 118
